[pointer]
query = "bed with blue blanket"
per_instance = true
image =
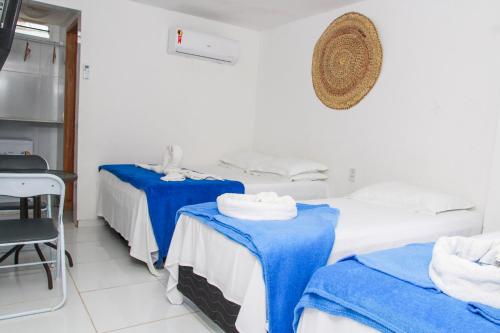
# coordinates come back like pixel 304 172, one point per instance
pixel 289 252
pixel 387 291
pixel 164 199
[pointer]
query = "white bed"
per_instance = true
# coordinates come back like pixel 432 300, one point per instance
pixel 313 320
pixel 362 228
pixel 125 207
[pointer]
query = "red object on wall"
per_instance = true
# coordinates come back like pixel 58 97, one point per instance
pixel 179 36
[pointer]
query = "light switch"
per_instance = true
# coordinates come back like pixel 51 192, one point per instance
pixel 86 72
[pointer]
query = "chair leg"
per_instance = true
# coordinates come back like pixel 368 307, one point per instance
pixel 68 255
pixel 45 266
pixel 9 253
pixel 16 256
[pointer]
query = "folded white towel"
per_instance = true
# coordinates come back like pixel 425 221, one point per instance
pixel 191 174
pixel 173 175
pixel 263 206
pixel 467 269
pixel 178 174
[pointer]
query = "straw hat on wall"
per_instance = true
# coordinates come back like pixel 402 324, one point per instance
pixel 347 61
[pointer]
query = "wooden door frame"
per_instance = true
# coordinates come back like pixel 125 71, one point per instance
pixel 70 109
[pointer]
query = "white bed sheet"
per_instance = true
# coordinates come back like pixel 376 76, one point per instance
pixel 125 207
pixel 362 228
pixel 313 320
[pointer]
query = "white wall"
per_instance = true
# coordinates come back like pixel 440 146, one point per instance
pixel 492 214
pixel 430 119
pixel 139 98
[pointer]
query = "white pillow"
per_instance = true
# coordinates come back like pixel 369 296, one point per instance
pixel 257 162
pixel 288 166
pixel 309 177
pixel 243 159
pixel 410 197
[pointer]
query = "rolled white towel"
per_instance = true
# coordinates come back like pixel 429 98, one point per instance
pixel 467 269
pixel 492 257
pixel 263 206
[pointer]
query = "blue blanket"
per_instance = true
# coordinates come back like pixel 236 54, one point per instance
pixel 166 198
pixel 289 251
pixel 409 263
pixel 392 292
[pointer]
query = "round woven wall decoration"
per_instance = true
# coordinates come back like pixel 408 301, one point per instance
pixel 347 61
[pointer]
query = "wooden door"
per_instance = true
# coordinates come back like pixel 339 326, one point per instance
pixel 71 73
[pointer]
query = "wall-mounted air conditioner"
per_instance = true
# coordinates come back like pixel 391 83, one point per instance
pixel 203 46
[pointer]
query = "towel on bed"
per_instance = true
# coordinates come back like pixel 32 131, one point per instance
pixel 392 292
pixel 396 262
pixel 257 207
pixel 172 158
pixel 180 175
pixel 289 251
pixel 467 269
pixel 165 198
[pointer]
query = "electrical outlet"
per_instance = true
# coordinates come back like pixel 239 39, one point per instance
pixel 352 175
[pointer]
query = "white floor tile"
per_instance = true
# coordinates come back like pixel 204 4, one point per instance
pixel 118 291
pixel 91 223
pixel 87 252
pixel 100 233
pixel 122 307
pixel 27 255
pixel 184 324
pixel 111 273
pixel 24 285
pixel 72 317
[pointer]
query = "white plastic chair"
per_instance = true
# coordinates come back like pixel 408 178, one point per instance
pixel 35 231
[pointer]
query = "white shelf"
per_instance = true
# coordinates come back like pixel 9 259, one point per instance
pixel 33 121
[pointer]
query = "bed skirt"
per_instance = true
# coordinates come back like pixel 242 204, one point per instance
pixel 209 299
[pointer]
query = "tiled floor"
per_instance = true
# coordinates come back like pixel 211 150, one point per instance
pixel 108 291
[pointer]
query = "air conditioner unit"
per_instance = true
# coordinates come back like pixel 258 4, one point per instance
pixel 203 46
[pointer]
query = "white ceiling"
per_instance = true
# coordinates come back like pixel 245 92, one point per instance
pixel 46 14
pixel 253 14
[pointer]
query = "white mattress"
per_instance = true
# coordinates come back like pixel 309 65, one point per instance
pixel 313 320
pixel 362 228
pixel 125 207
